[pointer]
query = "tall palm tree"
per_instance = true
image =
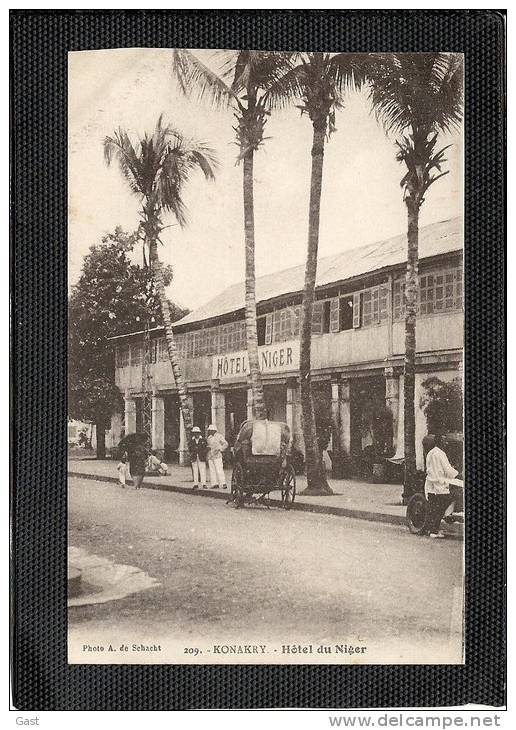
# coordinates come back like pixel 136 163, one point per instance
pixel 417 97
pixel 157 168
pixel 319 80
pixel 242 85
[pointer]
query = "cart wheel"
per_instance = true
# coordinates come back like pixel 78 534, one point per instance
pixel 417 510
pixel 288 487
pixel 237 484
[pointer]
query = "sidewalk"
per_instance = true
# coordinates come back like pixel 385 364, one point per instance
pixel 374 502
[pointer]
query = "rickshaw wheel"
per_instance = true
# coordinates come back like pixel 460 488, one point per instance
pixel 288 487
pixel 237 483
pixel 417 510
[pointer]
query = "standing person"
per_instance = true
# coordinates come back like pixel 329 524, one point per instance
pixel 137 460
pixel 122 469
pixel 198 452
pixel 217 444
pixel 439 471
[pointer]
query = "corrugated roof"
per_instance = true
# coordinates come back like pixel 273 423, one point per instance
pixel 434 239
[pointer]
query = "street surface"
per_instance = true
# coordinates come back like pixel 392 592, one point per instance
pixel 258 577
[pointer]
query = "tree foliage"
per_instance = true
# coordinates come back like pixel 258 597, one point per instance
pixel 442 404
pixel 113 296
pixel 156 168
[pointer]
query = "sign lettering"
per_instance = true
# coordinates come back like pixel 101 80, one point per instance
pixel 277 358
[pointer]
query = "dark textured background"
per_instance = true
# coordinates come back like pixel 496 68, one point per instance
pixel 42 678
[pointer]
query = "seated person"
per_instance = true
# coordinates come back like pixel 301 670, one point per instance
pixel 155 466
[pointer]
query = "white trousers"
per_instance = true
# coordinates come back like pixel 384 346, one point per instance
pixel 199 471
pixel 217 475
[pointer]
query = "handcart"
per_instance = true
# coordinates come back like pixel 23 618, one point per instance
pixel 262 464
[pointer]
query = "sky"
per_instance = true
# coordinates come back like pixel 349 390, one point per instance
pixel 361 199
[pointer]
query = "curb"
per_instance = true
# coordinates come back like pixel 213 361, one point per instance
pixel 297 506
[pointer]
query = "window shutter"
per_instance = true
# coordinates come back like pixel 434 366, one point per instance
pixel 356 310
pixel 317 318
pixel 334 314
pixel 276 327
pixel 297 321
pixel 375 305
pixel 268 329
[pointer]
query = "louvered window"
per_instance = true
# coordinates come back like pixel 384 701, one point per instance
pixel 136 354
pixel 122 356
pixel 356 310
pixel 334 314
pixel 153 351
pixel 268 329
pixel 439 291
pixel 317 318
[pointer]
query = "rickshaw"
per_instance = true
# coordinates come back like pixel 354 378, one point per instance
pixel 417 507
pixel 262 464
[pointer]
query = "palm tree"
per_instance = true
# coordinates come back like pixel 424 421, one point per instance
pixel 417 97
pixel 243 85
pixel 319 80
pixel 157 169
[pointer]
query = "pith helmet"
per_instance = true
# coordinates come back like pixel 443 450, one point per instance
pixel 196 429
pixel 212 427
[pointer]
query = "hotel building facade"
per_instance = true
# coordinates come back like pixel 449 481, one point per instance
pixel 357 347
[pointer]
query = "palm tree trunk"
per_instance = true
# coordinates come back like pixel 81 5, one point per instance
pixel 315 476
pixel 411 288
pixel 101 438
pixel 182 390
pixel 250 290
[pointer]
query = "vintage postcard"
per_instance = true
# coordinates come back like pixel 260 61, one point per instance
pixel 265 357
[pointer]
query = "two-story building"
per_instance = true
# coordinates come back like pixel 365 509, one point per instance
pixel 357 346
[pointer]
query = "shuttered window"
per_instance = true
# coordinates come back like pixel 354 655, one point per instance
pixel 276 335
pixel 334 314
pixel 136 354
pixel 181 341
pixel 439 291
pixel 296 321
pixel 189 344
pixel 223 338
pixel 283 324
pixel 356 310
pixel 153 351
pixel 212 341
pixel 317 318
pixel 162 347
pixel 268 329
pixel 122 356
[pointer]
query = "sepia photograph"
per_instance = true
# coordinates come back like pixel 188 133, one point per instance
pixel 265 357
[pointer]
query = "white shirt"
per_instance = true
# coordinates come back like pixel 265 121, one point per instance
pixel 439 471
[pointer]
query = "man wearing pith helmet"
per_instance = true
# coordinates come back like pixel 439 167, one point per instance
pixel 217 444
pixel 198 452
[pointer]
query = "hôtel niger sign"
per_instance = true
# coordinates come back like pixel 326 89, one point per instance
pixel 282 357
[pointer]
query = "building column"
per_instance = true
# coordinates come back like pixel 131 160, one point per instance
pixel 291 405
pixel 158 424
pixel 293 415
pixel 184 451
pixel 129 413
pixel 218 408
pixel 116 429
pixel 250 410
pixel 345 418
pixel 400 441
pixel 392 401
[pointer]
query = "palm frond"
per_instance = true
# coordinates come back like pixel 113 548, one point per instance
pixel 348 71
pixel 120 147
pixel 419 90
pixel 158 168
pixel 195 77
pixel 286 88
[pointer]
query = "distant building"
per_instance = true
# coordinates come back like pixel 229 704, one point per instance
pixel 357 346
